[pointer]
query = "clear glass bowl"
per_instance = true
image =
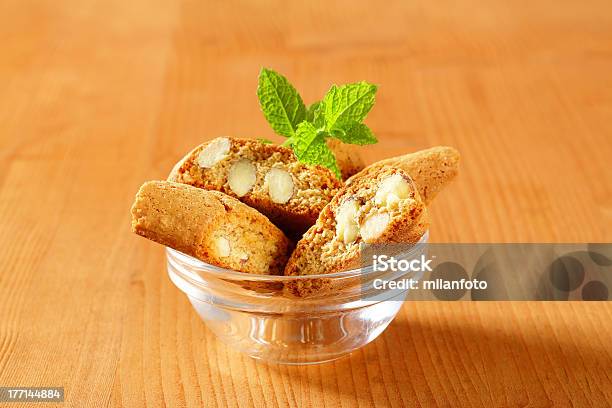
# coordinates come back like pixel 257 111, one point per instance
pixel 259 315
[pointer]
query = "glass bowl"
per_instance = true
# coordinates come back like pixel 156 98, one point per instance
pixel 261 316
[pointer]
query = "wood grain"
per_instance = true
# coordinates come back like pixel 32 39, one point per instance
pixel 96 97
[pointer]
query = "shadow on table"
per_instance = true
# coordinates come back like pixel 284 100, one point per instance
pixel 446 360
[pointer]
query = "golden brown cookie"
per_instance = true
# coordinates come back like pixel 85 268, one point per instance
pixel 348 157
pixel 384 208
pixel 265 176
pixel 431 169
pixel 210 226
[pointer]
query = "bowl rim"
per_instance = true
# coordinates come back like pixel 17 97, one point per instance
pixel 196 265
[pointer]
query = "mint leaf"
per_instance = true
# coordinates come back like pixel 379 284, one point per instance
pixel 311 111
pixel 338 115
pixel 357 134
pixel 280 102
pixel 314 114
pixel 305 136
pixel 347 104
pixel 309 147
pixel 318 115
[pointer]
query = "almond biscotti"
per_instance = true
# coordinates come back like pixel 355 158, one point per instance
pixel 210 226
pixel 384 208
pixel 431 169
pixel 348 158
pixel 264 176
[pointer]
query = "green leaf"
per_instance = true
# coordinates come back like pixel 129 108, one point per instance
pixel 358 134
pixel 309 147
pixel 319 116
pixel 264 140
pixel 280 102
pixel 315 115
pixel 311 110
pixel 347 104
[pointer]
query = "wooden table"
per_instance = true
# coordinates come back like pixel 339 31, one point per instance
pixel 97 97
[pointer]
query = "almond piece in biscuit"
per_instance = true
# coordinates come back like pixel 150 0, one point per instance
pixel 210 226
pixel 267 177
pixel 383 208
pixel 431 169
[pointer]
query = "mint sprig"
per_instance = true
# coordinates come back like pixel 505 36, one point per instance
pixel 339 115
pixel 348 104
pixel 309 147
pixel 280 102
pixel 358 134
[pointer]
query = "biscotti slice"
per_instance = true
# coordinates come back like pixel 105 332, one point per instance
pixel 210 226
pixel 265 176
pixel 348 158
pixel 431 169
pixel 384 208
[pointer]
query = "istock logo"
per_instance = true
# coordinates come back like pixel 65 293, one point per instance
pixel 382 263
